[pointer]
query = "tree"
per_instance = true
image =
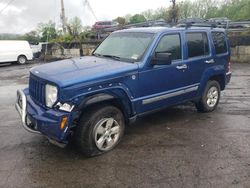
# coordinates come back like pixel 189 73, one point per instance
pixel 232 9
pixel 47 31
pixel 120 20
pixel 149 14
pixel 185 9
pixel 31 37
pixel 127 17
pixel 74 27
pixel 87 33
pixel 235 10
pixel 137 18
pixel 8 36
pixel 173 12
pixel 161 13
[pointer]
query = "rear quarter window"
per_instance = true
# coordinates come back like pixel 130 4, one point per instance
pixel 220 44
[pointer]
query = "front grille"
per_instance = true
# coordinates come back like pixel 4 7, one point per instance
pixel 37 90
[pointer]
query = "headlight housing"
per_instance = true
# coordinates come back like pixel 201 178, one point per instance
pixel 50 95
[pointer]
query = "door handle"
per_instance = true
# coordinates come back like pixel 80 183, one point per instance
pixel 180 67
pixel 210 61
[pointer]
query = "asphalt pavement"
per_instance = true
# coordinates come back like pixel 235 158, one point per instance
pixel 176 147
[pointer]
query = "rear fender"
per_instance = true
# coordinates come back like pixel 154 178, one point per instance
pixel 215 71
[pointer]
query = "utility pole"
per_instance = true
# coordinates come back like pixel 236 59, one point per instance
pixel 63 18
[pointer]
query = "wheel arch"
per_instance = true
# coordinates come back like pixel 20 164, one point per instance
pixel 220 78
pixel 116 97
pixel 21 56
pixel 214 73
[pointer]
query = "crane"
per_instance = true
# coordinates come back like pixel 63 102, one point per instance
pixel 87 4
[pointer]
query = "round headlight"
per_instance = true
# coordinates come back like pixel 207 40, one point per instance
pixel 50 95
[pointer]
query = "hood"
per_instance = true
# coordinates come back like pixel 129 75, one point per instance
pixel 85 69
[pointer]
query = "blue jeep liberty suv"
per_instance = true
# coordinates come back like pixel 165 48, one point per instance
pixel 132 73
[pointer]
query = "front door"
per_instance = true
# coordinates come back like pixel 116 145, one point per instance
pixel 163 85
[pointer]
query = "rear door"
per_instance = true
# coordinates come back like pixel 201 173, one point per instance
pixel 198 54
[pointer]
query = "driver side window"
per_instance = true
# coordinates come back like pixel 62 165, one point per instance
pixel 170 44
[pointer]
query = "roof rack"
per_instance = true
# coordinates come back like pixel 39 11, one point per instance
pixel 199 24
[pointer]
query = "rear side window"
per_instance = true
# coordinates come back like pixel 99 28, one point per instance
pixel 171 44
pixel 220 43
pixel 197 44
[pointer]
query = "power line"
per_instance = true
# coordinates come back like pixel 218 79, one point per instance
pixel 6 6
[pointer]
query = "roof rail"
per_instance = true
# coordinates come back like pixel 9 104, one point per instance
pixel 199 24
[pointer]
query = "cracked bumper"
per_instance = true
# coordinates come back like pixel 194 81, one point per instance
pixel 36 119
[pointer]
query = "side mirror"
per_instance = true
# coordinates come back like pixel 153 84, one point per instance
pixel 162 58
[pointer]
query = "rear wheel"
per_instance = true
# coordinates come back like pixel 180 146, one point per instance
pixel 21 60
pixel 100 129
pixel 210 97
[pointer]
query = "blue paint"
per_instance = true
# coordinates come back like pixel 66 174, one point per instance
pixel 129 83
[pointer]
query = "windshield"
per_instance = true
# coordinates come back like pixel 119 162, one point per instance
pixel 125 46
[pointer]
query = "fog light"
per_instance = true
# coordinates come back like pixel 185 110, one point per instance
pixel 63 122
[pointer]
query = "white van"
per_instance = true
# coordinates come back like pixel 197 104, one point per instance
pixel 14 50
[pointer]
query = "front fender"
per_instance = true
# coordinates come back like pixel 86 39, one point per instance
pixel 102 93
pixel 95 98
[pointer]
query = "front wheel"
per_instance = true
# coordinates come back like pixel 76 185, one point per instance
pixel 100 129
pixel 210 97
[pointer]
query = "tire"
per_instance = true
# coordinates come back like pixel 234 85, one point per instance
pixel 210 97
pixel 21 60
pixel 100 129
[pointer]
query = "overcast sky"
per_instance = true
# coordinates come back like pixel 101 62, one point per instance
pixel 23 15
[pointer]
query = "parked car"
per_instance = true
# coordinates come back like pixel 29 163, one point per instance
pixel 191 20
pixel 98 26
pixel 15 51
pixel 36 49
pixel 219 20
pixel 132 73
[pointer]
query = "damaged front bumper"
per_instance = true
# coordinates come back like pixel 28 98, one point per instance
pixel 38 120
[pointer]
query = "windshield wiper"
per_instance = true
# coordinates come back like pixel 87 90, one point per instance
pixel 109 56
pixel 112 56
pixel 97 55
